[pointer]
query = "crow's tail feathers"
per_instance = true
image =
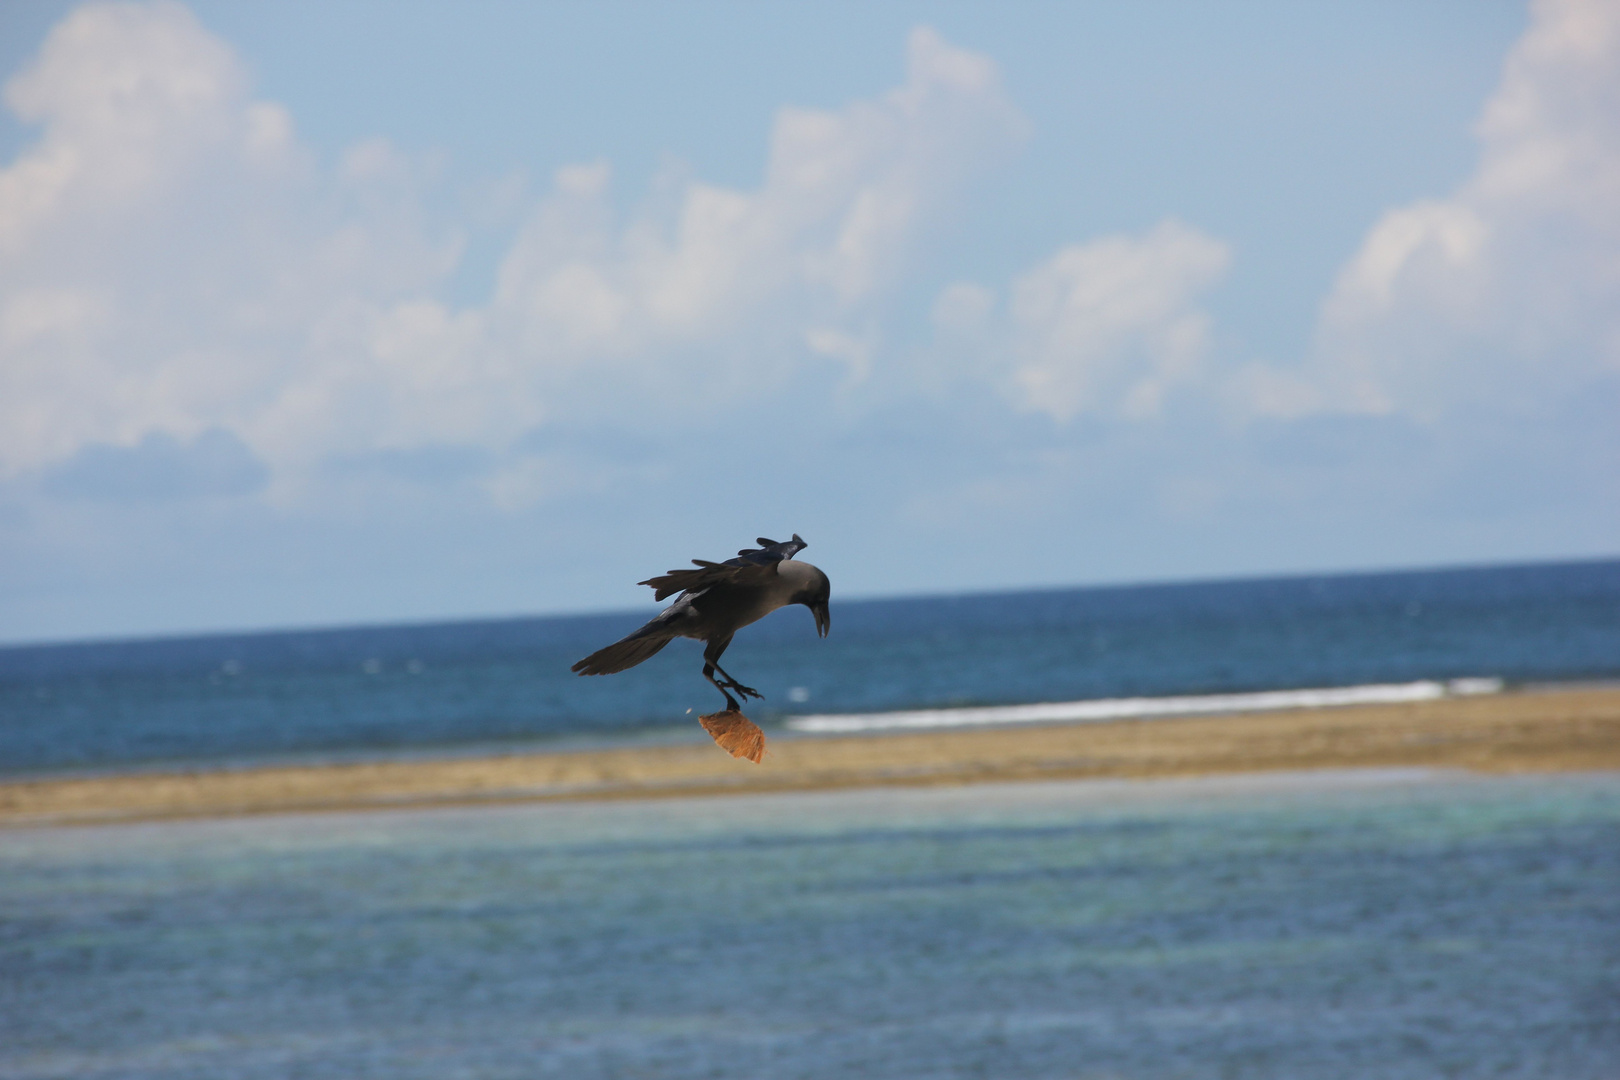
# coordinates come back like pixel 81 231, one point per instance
pixel 626 653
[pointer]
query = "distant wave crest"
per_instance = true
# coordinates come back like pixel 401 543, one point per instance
pixel 1059 712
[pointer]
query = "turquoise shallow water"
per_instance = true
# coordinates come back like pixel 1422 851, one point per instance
pixel 1393 924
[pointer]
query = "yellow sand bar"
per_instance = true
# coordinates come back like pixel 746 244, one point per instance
pixel 1562 730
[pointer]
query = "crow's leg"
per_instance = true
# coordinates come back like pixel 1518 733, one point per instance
pixel 745 691
pixel 711 654
pixel 708 673
pixel 711 664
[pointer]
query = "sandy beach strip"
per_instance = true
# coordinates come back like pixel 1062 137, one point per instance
pixel 1543 731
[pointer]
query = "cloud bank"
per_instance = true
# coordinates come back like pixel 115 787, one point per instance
pixel 1109 327
pixel 173 261
pixel 1506 294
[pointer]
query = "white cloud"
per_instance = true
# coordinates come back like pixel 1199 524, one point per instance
pixel 173 261
pixel 852 351
pixel 1107 327
pixel 128 98
pixel 1509 290
pixel 755 275
pixel 170 259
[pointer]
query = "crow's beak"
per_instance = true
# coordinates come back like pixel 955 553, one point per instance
pixel 823 618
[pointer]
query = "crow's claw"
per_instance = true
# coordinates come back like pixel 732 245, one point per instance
pixel 746 691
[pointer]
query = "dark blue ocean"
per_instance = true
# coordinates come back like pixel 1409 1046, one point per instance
pixel 433 688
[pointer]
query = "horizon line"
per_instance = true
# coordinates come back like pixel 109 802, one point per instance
pixel 7 645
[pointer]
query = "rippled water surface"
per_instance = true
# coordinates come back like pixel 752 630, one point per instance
pixel 1390 925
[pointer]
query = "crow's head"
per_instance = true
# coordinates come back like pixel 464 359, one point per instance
pixel 815 594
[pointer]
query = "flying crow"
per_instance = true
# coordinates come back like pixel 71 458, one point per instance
pixel 717 600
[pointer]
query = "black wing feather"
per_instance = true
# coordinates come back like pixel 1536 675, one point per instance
pixel 769 551
pixel 750 562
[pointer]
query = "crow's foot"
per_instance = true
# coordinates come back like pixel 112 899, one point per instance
pixel 746 691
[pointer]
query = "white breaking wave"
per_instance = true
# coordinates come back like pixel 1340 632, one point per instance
pixel 1061 712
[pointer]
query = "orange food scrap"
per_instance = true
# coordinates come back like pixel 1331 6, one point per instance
pixel 736 734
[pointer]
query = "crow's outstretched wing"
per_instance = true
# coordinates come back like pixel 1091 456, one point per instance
pixel 750 564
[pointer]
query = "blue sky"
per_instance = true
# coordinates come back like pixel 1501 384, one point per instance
pixel 317 313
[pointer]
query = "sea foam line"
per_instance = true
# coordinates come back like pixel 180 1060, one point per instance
pixel 1128 708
